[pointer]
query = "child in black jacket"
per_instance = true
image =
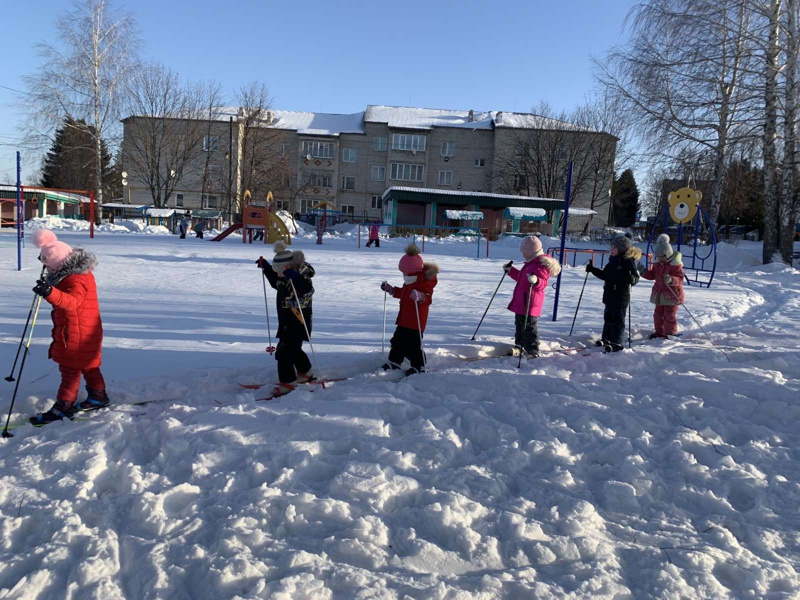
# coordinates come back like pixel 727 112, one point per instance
pixel 619 275
pixel 290 268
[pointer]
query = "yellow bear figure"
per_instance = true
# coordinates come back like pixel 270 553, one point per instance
pixel 683 204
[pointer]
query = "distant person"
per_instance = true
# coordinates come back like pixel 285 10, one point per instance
pixel 198 229
pixel 183 226
pixel 258 235
pixel 374 236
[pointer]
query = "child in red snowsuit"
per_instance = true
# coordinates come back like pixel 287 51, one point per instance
pixel 667 292
pixel 70 288
pixel 416 295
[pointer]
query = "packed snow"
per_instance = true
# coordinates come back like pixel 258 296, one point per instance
pixel 669 470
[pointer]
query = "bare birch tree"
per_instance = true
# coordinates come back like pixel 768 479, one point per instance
pixel 81 78
pixel 684 77
pixel 771 190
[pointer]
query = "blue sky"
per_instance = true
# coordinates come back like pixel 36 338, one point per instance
pixel 340 56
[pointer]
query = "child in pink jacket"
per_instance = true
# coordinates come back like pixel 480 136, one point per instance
pixel 528 298
pixel 667 294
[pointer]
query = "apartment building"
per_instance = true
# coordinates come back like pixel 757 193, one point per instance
pixel 350 160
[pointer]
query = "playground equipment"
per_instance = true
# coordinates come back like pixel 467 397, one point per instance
pixel 324 208
pixel 695 232
pixel 258 217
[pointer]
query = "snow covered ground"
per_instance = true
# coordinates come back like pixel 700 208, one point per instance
pixel 668 471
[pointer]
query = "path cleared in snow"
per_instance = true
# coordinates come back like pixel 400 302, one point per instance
pixel 668 471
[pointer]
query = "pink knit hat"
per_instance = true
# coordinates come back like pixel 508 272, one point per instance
pixel 411 262
pixel 530 247
pixel 53 253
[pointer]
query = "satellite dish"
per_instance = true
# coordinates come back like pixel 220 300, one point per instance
pixel 308 157
pixel 124 174
pixel 124 182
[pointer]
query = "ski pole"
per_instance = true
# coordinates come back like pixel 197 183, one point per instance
pixel 525 329
pixel 24 330
pixel 383 339
pixel 308 333
pixel 6 433
pixel 270 348
pixel 419 328
pixel 508 264
pixel 630 345
pixel 585 279
pixel 669 287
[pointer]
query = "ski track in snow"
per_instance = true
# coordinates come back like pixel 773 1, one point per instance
pixel 669 471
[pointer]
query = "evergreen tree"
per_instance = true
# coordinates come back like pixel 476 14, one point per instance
pixel 70 163
pixel 624 199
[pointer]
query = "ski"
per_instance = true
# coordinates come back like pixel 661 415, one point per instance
pixel 258 386
pixel 85 415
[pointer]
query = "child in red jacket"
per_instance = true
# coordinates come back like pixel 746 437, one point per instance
pixel 416 295
pixel 667 294
pixel 77 329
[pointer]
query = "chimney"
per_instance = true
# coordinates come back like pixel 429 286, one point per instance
pixel 471 116
pixel 499 117
pixel 270 117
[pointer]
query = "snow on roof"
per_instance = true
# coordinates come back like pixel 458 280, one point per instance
pixel 307 123
pixel 123 205
pixel 159 212
pixel 52 194
pixel 581 212
pixel 516 212
pixel 403 188
pixel 464 215
pixel 426 118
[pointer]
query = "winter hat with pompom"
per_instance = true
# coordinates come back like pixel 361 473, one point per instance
pixel 622 243
pixel 283 256
pixel 662 246
pixel 53 253
pixel 411 262
pixel 530 247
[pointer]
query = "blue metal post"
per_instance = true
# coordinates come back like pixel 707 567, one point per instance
pixel 20 213
pixel 567 199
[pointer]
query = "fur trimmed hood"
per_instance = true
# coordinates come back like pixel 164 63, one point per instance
pixel 676 259
pixel 78 262
pixel 551 264
pixel 634 253
pixel 431 270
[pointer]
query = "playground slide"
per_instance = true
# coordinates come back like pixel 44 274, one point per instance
pixel 227 232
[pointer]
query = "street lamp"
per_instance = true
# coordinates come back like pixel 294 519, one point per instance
pixel 125 184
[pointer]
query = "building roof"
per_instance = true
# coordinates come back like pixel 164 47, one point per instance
pixel 10 191
pixel 415 194
pixel 399 117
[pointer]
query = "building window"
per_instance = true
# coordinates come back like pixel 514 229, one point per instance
pixel 348 183
pixel 445 178
pixel 318 149
pixel 324 180
pixel 377 202
pixel 405 141
pixel 209 202
pixel 179 200
pixel 347 209
pixel 448 148
pixel 307 204
pixel 407 172
pixel 520 182
pixel 378 173
pixel 480 162
pixel 213 170
pixel 282 205
pixel 210 143
pixel 349 155
pixel 284 150
pixel 380 144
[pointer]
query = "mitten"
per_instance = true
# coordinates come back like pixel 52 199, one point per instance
pixel 667 278
pixel 43 288
pixel 290 274
pixel 532 279
pixel 387 288
pixel 417 296
pixel 507 266
pixel 262 262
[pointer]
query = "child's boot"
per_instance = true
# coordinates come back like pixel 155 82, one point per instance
pixel 282 389
pixel 97 399
pixel 59 411
pixel 305 377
